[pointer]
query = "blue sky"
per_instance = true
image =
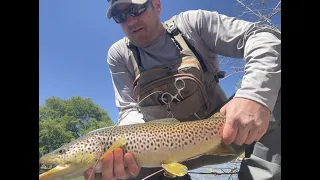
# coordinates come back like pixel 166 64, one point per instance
pixel 74 39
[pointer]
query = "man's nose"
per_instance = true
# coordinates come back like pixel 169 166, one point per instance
pixel 131 20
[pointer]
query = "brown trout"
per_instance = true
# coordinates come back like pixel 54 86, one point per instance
pixel 160 143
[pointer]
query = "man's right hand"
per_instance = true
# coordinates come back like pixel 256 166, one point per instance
pixel 113 166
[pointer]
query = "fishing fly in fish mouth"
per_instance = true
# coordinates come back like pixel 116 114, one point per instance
pixel 162 143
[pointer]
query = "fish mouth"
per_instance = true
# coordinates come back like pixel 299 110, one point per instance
pixel 65 168
pixel 50 161
pixel 59 170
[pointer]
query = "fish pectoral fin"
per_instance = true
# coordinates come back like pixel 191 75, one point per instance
pixel 175 169
pixel 222 150
pixel 121 142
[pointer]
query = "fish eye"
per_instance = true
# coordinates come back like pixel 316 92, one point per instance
pixel 61 151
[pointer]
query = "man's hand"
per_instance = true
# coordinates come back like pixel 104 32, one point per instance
pixel 246 121
pixel 113 166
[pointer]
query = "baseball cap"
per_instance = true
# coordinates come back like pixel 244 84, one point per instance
pixel 113 3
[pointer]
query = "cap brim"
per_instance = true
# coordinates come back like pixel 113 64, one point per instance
pixel 110 9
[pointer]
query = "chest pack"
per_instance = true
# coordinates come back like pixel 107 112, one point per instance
pixel 180 89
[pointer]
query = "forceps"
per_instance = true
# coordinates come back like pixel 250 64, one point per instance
pixel 167 98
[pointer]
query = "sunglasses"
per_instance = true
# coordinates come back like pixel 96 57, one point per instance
pixel 133 10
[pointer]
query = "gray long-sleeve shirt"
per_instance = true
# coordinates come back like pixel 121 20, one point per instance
pixel 210 33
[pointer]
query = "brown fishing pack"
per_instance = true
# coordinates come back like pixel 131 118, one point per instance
pixel 180 89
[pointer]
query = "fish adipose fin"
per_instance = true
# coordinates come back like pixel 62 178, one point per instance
pixel 222 150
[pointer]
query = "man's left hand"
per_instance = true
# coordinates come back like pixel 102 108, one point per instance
pixel 246 121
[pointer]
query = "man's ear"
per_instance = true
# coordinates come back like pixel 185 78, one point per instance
pixel 157 5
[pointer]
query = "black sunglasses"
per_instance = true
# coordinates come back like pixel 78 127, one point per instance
pixel 133 10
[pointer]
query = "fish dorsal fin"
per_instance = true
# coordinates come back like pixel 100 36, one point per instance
pixel 165 121
pixel 104 128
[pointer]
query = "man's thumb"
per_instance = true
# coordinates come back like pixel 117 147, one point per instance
pixel 223 110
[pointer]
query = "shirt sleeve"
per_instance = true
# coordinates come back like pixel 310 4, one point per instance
pixel 122 80
pixel 258 44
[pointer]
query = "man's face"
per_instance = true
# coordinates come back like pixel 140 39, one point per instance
pixel 143 29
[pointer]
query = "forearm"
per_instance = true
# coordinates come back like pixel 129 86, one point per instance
pixel 258 45
pixel 130 116
pixel 262 79
pixel 128 113
pixel 122 81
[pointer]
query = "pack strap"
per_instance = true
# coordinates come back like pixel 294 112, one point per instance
pixel 135 58
pixel 174 31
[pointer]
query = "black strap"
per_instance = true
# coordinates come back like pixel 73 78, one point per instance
pixel 138 57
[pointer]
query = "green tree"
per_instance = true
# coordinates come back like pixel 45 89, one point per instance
pixel 61 121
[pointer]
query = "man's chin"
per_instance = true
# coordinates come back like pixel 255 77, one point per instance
pixel 141 42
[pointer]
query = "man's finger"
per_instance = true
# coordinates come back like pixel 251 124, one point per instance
pixel 260 134
pixel 107 166
pixel 132 169
pixel 252 135
pixel 230 131
pixel 87 174
pixel 118 164
pixel 242 135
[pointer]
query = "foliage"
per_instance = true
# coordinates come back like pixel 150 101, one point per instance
pixel 61 121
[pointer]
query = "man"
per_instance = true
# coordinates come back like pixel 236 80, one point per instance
pixel 252 115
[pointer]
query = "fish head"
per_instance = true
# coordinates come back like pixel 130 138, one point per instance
pixel 72 159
